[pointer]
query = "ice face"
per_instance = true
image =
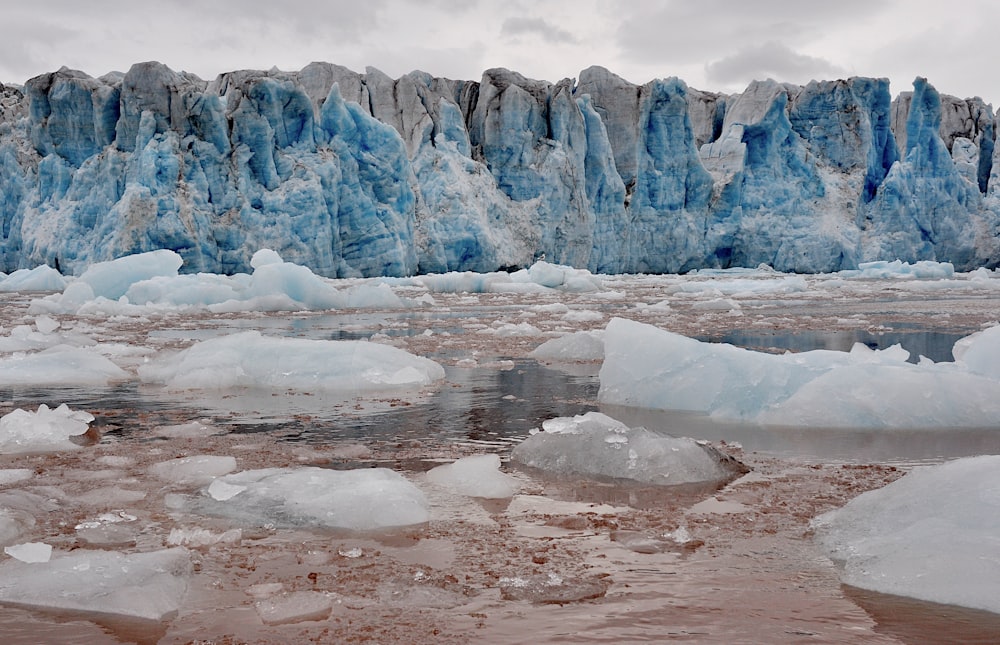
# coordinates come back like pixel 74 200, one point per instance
pixel 933 535
pixel 250 359
pixel 359 174
pixel 596 445
pixel 649 367
pixel 362 500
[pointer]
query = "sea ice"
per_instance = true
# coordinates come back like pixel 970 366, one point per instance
pixel 140 585
pixel 41 278
pixel 249 359
pixel 361 500
pixel 475 476
pixel 42 431
pixel 59 365
pixel 594 444
pixel 934 534
pixel 652 368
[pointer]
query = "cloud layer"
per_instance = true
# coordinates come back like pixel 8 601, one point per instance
pixel 718 45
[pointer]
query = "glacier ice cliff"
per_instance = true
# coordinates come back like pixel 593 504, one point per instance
pixel 359 174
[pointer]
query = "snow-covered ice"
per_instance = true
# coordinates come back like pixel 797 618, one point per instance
pixel 934 534
pixel 44 430
pixel 361 500
pixel 475 476
pixel 594 444
pixel 250 359
pixel 649 367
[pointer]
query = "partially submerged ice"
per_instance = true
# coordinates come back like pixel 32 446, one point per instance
pixel 475 476
pixel 44 430
pixel 933 534
pixel 361 500
pixel 250 359
pixel 594 444
pixel 652 368
pixel 147 585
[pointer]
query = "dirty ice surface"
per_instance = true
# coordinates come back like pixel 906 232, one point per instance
pixel 175 469
pixel 934 534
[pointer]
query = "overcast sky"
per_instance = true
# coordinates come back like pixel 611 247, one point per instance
pixel 717 45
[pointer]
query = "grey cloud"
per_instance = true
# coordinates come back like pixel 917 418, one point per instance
pixel 679 31
pixel 514 27
pixel 770 59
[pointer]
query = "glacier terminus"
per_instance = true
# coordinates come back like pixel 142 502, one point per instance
pixel 358 175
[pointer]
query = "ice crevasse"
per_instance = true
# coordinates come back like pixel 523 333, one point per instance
pixel 359 174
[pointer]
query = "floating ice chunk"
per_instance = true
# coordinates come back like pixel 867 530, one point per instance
pixel 263 257
pixel 649 367
pixel 923 270
pixel 934 534
pixel 112 279
pixel 46 324
pixel 14 475
pixel 13 524
pixel 578 346
pixel 582 315
pixel 198 537
pixel 30 551
pixel 596 445
pixel 294 607
pixel 221 491
pixel 362 500
pixel 980 352
pixel 553 588
pixel 140 585
pixel 41 278
pixel 196 470
pixel 476 476
pixel 249 359
pixel 42 431
pixel 59 365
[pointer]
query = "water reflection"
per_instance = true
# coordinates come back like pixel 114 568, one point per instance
pixel 935 345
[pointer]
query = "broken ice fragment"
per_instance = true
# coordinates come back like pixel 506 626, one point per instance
pixel 30 552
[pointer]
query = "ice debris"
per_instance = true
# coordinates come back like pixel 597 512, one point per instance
pixel 594 444
pixel 196 470
pixel 933 534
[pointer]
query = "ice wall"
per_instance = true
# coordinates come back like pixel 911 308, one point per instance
pixel 361 174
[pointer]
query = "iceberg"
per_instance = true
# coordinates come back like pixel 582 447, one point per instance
pixel 595 445
pixel 933 535
pixel 358 174
pixel 250 359
pixel 651 368
pixel 360 500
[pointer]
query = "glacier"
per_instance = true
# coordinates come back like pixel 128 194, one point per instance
pixel 358 174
